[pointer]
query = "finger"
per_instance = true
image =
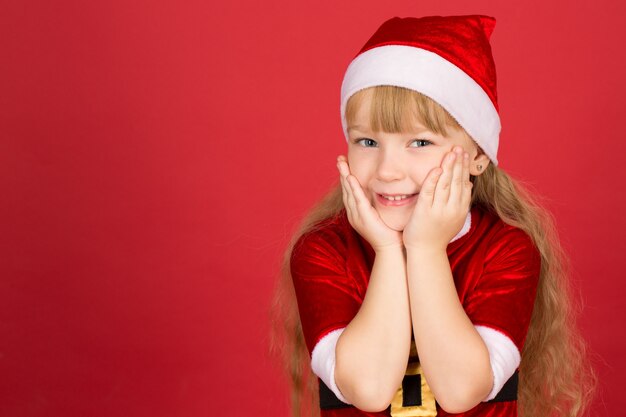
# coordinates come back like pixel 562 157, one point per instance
pixel 427 192
pixel 466 166
pixel 442 191
pixel 357 200
pixel 344 170
pixel 465 178
pixel 366 212
pixel 348 198
pixel 466 199
pixel 359 195
pixel 342 164
pixel 344 192
pixel 458 180
pixel 466 195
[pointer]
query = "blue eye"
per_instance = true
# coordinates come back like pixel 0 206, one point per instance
pixel 366 143
pixel 420 143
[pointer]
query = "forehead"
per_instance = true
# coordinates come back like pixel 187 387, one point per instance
pixel 361 115
pixel 414 127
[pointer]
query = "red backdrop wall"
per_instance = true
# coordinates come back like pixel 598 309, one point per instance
pixel 155 156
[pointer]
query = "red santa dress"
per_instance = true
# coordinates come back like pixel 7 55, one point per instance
pixel 495 268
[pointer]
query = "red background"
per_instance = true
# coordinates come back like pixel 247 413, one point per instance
pixel 155 156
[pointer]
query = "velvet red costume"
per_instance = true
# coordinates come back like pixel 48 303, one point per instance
pixel 495 268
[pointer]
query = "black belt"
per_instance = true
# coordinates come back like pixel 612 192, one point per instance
pixel 412 393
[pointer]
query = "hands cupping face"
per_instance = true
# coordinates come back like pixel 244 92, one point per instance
pixel 362 215
pixel 442 204
pixel 439 213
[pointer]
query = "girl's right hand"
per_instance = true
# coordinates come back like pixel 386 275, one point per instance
pixel 362 215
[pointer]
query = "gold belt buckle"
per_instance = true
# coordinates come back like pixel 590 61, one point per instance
pixel 428 406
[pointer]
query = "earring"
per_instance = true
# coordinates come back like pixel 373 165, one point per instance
pixel 479 167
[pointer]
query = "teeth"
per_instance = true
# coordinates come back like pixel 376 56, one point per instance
pixel 395 198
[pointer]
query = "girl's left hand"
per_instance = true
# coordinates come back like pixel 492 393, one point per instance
pixel 442 204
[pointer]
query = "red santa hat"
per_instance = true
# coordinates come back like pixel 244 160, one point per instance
pixel 445 58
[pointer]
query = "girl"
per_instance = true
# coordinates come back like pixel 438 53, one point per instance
pixel 428 282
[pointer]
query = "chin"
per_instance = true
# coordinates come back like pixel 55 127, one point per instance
pixel 394 223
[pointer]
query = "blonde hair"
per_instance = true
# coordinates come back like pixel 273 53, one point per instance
pixel 556 378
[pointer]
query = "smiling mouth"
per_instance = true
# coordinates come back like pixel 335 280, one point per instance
pixel 395 200
pixel 396 197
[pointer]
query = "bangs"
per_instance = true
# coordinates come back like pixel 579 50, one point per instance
pixel 395 110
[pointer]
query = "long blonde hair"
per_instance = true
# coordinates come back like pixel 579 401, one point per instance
pixel 556 378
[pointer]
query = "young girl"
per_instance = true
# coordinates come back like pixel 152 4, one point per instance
pixel 428 282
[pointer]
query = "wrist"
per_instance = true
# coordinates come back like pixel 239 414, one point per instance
pixel 426 250
pixel 388 248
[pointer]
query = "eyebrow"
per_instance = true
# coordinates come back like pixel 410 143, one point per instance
pixel 416 130
pixel 357 127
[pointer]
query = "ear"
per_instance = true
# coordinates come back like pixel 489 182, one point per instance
pixel 480 161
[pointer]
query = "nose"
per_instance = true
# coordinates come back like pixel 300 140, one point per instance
pixel 390 167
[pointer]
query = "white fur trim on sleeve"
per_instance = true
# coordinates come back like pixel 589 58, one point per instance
pixel 323 361
pixel 503 356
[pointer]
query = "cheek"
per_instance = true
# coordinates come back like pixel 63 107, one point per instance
pixel 359 167
pixel 420 170
pixel 470 147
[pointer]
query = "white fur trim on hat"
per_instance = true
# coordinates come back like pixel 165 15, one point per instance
pixel 433 76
